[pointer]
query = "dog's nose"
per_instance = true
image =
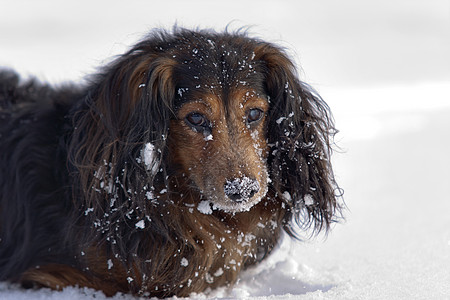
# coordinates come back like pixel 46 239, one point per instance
pixel 241 189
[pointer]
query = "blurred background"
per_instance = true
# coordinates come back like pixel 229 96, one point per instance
pixel 363 56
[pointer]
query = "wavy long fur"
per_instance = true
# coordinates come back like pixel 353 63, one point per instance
pixel 79 207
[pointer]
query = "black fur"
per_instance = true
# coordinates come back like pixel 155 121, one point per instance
pixel 55 142
pixel 35 193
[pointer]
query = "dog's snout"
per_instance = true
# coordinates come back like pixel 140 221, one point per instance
pixel 241 189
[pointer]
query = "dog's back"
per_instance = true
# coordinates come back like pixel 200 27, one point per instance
pixel 33 204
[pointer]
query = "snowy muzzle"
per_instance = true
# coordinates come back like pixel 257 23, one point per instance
pixel 241 189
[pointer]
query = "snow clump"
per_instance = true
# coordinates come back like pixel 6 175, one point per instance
pixel 148 158
pixel 184 262
pixel 140 224
pixel 204 207
pixel 309 200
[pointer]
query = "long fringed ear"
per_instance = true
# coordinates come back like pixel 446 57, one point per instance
pixel 301 132
pixel 118 147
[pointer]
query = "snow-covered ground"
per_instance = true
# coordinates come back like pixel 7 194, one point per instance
pixel 385 71
pixel 395 242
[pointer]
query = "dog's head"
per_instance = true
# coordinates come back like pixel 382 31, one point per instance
pixel 222 116
pixel 218 136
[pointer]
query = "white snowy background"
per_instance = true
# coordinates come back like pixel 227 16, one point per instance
pixel 383 67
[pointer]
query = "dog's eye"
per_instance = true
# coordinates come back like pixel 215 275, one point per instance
pixel 197 122
pixel 196 119
pixel 254 115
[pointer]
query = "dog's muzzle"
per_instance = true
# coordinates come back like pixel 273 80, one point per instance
pixel 241 189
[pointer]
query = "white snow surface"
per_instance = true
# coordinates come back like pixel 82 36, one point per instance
pixel 394 244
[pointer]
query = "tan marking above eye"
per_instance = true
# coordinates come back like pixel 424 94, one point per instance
pixel 249 99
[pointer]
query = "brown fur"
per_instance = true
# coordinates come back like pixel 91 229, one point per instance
pixel 213 200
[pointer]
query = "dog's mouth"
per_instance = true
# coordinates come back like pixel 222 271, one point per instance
pixel 238 195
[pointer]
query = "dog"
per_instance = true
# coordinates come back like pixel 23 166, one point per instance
pixel 173 169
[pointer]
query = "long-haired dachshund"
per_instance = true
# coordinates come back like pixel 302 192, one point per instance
pixel 176 167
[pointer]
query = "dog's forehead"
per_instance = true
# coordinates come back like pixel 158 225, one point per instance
pixel 216 99
pixel 216 64
pixel 217 68
pixel 210 89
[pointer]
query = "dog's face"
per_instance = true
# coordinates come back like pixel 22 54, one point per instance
pixel 221 146
pixel 193 114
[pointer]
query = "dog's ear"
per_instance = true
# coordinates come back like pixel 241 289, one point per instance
pixel 118 145
pixel 300 132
